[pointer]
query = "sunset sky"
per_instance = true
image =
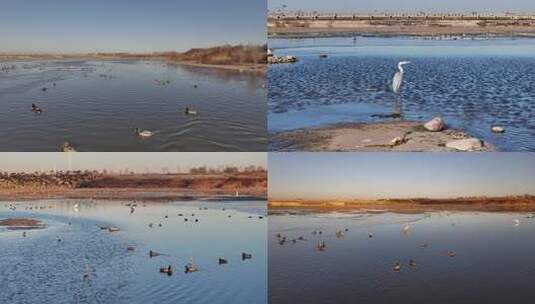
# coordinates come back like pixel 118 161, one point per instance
pixel 115 161
pixel 392 175
pixel 128 25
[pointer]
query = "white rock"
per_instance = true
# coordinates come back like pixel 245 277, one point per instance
pixel 434 125
pixel 497 129
pixel 468 144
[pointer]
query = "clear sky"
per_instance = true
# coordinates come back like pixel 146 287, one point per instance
pixel 391 175
pixel 396 5
pixel 128 25
pixel 115 161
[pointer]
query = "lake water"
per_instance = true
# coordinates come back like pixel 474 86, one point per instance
pixel 98 113
pixel 473 84
pixel 39 269
pixel 493 260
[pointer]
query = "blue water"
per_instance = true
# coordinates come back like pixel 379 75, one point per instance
pixel 473 84
pixel 96 105
pixel 39 269
pixel 493 261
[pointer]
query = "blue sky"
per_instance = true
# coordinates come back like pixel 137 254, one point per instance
pixel 393 5
pixel 135 161
pixel 128 25
pixel 388 175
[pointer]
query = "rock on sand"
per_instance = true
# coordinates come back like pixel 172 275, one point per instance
pixel 468 144
pixel 435 125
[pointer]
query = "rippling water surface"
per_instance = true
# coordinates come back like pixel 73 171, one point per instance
pixel 493 260
pixel 96 112
pixel 39 269
pixel 473 84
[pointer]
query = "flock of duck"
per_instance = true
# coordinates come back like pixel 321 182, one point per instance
pixel 142 133
pixel 321 245
pixel 189 267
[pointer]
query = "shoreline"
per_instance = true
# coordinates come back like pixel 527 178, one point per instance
pixel 406 25
pixel 253 68
pixel 402 136
pixel 498 204
pixel 139 194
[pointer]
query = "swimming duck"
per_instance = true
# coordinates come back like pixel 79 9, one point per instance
pixel 321 246
pixel 44 89
pixel 517 222
pixel 36 109
pixel 113 229
pixel 167 270
pixel 246 256
pixel 131 248
pixel 190 268
pixel 67 147
pixel 451 254
pixel 189 111
pixel 222 261
pixel 144 133
pixel 153 254
pixel 397 267
pixel 339 234
pixel 412 263
pixel 370 235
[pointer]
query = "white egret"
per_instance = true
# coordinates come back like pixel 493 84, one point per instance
pixel 398 77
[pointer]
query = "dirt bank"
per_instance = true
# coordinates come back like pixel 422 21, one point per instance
pixel 417 205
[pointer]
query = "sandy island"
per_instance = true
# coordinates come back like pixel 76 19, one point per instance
pixel 369 137
pixel 22 223
pixel 524 203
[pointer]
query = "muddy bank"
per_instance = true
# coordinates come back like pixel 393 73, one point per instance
pixel 497 204
pixel 383 136
pixel 22 223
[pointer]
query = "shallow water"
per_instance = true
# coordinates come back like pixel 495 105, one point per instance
pixel 493 261
pixel 473 84
pixel 38 268
pixel 98 113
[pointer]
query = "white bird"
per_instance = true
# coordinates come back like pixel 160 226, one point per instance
pixel 517 222
pixel 406 229
pixel 144 133
pixel 398 77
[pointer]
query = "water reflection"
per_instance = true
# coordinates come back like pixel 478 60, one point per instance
pixel 74 260
pixel 444 257
pixel 97 105
pixel 472 84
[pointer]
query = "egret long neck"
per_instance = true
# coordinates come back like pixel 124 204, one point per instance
pixel 400 68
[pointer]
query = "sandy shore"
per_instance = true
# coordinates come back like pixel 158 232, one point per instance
pixel 296 28
pixel 497 204
pixel 368 137
pixel 22 223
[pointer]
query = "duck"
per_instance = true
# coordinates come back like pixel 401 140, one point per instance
pixel 113 229
pixel 167 270
pixel 144 133
pixel 412 263
pixel 190 111
pixel 396 267
pixel 153 254
pixel 321 246
pixel 370 235
pixel 131 248
pixel 190 268
pixel 517 222
pixel 222 261
pixel 451 254
pixel 67 147
pixel 246 256
pixel 44 89
pixel 36 109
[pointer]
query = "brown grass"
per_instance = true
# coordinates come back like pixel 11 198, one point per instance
pixel 223 55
